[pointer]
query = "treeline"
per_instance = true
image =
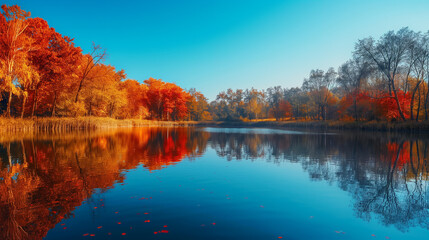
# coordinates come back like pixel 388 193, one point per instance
pixel 43 73
pixel 386 79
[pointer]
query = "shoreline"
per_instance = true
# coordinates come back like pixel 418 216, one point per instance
pixel 373 126
pixel 91 123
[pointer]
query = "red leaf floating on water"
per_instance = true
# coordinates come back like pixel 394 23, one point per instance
pixel 146 220
pixel 119 222
pixel 146 213
pixel 116 212
pixel 109 233
pixel 64 228
pixel 164 231
pixel 213 223
pixel 86 234
pixel 155 232
pixel 373 235
pixel 95 207
pixel 99 227
pixel 62 224
pixel 92 235
pixel 280 237
pixel 165 225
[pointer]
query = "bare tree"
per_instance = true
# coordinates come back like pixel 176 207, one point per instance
pixel 351 77
pixel 387 54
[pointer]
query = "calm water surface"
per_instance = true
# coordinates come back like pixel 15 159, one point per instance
pixel 212 183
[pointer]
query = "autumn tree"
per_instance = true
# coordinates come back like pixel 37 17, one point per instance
pixel 136 99
pixel 56 59
pixel 318 85
pixel 88 62
pixel 166 101
pixel 14 46
pixel 198 106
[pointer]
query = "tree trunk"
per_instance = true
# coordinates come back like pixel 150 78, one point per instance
pixel 355 103
pixel 397 101
pixel 23 105
pixel 34 103
pixel 418 106
pixel 412 100
pixel 54 105
pixel 426 102
pixel 9 104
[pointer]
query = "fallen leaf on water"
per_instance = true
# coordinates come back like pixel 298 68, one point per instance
pixel 213 223
pixel 64 228
pixel 155 232
pixel 165 225
pixel 164 231
pixel 62 224
pixel 92 235
pixel 118 222
pixel 123 234
pixel 116 212
pixel 99 227
pixel 280 237
pixel 373 235
pixel 86 234
pixel 146 213
pixel 146 220
pixel 95 207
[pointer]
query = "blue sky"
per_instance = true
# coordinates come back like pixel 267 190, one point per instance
pixel 214 45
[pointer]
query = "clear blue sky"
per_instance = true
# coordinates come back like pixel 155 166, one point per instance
pixel 212 45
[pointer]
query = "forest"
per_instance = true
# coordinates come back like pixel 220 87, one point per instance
pixel 43 74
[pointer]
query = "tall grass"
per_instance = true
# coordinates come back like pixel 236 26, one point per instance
pixel 80 123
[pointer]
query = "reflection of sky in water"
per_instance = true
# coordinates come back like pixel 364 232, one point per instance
pixel 254 131
pixel 217 185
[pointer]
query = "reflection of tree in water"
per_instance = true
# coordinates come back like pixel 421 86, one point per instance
pixel 43 181
pixel 387 178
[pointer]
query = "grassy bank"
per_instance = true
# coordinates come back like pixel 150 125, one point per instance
pixel 80 123
pixel 375 126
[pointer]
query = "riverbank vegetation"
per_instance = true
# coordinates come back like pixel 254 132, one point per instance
pixel 43 74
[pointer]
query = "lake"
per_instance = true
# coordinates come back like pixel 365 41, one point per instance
pixel 213 183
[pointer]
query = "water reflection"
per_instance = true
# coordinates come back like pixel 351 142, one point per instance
pixel 43 178
pixel 387 176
